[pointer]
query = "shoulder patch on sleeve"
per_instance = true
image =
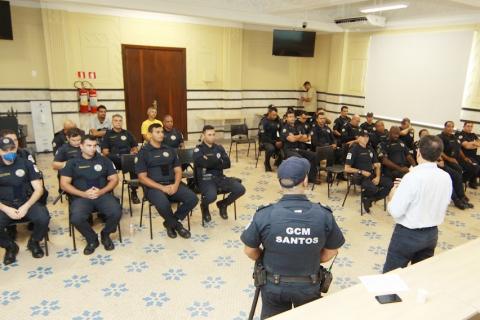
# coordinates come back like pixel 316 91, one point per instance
pixel 196 150
pixel 349 156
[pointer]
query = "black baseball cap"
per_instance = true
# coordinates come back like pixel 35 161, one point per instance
pixel 293 171
pixel 6 144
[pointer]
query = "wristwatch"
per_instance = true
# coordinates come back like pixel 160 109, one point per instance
pixel 359 171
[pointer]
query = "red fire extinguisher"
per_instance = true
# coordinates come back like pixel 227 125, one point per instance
pixel 82 96
pixel 92 99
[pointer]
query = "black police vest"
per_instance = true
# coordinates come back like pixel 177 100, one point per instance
pixel 452 145
pixel 395 152
pixel 160 164
pixel 88 173
pixel 15 186
pixel 268 130
pixel 172 138
pixel 465 136
pixel 294 241
pixel 322 136
pixel 287 129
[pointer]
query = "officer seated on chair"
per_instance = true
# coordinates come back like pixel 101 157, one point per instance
pixel 89 180
pixel 21 153
pixel 294 145
pixel 363 164
pixel 172 136
pixel 60 137
pixel 379 135
pixel 369 124
pixel 269 137
pixel 117 142
pixel 296 235
pixel 68 151
pixel 395 156
pixel 20 190
pixel 159 170
pixel 210 159
pixel 323 141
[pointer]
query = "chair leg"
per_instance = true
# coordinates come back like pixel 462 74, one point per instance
pixel 119 233
pixel 248 149
pixel 255 148
pixel 236 151
pixel 230 150
pixel 235 209
pixel 258 157
pixel 385 204
pixel 346 194
pixel 361 201
pixel 121 197
pixel 141 212
pixel 129 191
pixel 188 220
pixel 73 237
pixel 150 218
pixel 46 244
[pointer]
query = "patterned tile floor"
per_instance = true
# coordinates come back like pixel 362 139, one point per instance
pixel 207 276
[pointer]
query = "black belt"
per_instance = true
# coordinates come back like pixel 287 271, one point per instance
pixel 276 279
pixel 417 229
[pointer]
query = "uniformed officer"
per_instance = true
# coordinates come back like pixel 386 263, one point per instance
pixel 159 170
pixel 68 151
pixel 210 159
pixel 117 142
pixel 20 190
pixel 60 137
pixel 296 236
pixel 379 135
pixel 454 156
pixel 21 152
pixel 350 132
pixel 294 140
pixel 172 136
pixel 323 141
pixel 407 133
pixel 89 180
pixel 269 137
pixel 470 142
pixel 341 121
pixel 368 125
pixel 304 121
pixel 363 163
pixel 395 156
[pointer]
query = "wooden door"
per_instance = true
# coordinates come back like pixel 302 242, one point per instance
pixel 154 74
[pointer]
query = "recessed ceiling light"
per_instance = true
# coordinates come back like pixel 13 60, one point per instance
pixel 385 7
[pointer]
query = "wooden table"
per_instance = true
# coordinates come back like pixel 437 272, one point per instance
pixel 452 280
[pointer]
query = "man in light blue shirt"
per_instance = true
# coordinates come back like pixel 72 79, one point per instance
pixel 418 205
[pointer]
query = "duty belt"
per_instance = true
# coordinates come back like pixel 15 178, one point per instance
pixel 276 278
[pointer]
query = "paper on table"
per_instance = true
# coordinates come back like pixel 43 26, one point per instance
pixel 384 283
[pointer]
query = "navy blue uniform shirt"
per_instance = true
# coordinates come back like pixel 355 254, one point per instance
pixel 395 151
pixel 15 181
pixel 451 144
pixel 469 137
pixel 158 163
pixel 293 232
pixel 291 130
pixel 322 136
pixel 216 160
pixel 269 130
pixel 361 158
pixel 118 142
pixel 67 152
pixel 173 138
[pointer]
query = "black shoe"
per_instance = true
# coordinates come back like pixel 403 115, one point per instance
pixel 465 198
pixel 12 232
pixel 35 248
pixel 473 185
pixel 170 231
pixel 223 211
pixel 468 204
pixel 184 233
pixel 268 168
pixel 367 204
pixel 107 242
pixel 277 162
pixel 460 204
pixel 135 198
pixel 90 248
pixel 10 254
pixel 206 217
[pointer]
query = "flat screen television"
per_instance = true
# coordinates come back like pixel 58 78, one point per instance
pixel 293 43
pixel 6 32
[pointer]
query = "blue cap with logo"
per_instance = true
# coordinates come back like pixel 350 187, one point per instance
pixel 293 171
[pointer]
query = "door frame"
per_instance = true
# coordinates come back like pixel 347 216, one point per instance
pixel 183 52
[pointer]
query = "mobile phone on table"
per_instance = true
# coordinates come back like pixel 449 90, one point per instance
pixel 388 298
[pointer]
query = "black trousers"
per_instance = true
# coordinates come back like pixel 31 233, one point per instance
pixel 280 298
pixel 410 245
pixel 310 156
pixel 457 182
pixel 392 174
pixel 184 196
pixel 37 214
pixel 116 159
pixel 209 189
pixel 81 209
pixel 470 171
pixel 270 150
pixel 372 191
pixel 326 153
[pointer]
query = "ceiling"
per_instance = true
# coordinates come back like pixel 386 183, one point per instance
pixel 319 14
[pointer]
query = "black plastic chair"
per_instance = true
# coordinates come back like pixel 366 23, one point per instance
pixel 350 183
pixel 333 171
pixel 26 220
pixel 144 199
pixel 239 135
pixel 186 159
pixel 71 227
pixel 261 148
pixel 128 167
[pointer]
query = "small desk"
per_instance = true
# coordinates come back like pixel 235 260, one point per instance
pixel 452 280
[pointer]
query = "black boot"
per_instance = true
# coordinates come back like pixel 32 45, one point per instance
pixel 35 248
pixel 268 168
pixel 223 210
pixel 170 231
pixel 460 204
pixel 90 247
pixel 107 242
pixel 184 233
pixel 367 204
pixel 12 231
pixel 134 197
pixel 10 254
pixel 206 217
pixel 468 204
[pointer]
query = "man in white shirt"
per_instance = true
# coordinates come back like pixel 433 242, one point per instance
pixel 309 100
pixel 100 124
pixel 418 205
